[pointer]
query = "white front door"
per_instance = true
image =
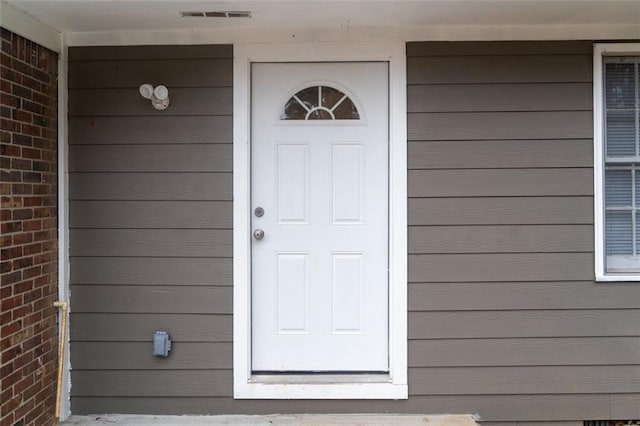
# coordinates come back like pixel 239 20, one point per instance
pixel 319 217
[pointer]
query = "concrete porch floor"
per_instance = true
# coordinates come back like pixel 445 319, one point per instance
pixel 275 419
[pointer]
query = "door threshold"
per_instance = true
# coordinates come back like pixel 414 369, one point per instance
pixel 320 386
pixel 318 378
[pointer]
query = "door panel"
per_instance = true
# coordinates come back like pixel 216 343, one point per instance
pixel 347 292
pixel 292 187
pixel 320 274
pixel 292 283
pixel 347 192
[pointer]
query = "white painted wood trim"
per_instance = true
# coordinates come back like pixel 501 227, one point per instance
pixel 599 51
pixel 395 387
pixel 241 223
pixel 29 27
pixel 63 219
pixel 588 31
pixel 398 216
pixel 598 162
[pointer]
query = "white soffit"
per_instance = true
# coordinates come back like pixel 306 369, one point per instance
pixel 148 21
pixel 19 22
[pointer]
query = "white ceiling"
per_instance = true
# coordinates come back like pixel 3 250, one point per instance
pixel 147 15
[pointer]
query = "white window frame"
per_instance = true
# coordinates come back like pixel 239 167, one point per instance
pixel 386 386
pixel 599 52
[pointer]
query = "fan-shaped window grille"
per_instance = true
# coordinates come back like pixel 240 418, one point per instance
pixel 320 103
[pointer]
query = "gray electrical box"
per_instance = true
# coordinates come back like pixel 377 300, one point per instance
pixel 161 344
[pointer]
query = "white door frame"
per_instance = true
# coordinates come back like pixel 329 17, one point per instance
pixel 391 386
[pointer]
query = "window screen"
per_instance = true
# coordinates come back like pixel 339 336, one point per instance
pixel 622 165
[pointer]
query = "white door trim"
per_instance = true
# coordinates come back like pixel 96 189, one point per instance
pixel 393 386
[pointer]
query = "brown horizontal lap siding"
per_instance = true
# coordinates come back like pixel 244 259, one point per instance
pixel 137 327
pixel 151 222
pixel 504 315
pixel 505 319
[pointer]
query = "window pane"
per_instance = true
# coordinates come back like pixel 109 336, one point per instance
pixel 293 111
pixel 330 96
pixel 621 134
pixel 346 111
pixel 309 96
pixel 617 188
pixel 618 233
pixel 637 232
pixel 620 85
pixel 320 114
pixel 636 187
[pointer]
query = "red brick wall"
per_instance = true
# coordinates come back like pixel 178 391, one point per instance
pixel 28 334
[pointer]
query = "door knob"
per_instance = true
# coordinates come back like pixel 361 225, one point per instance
pixel 258 234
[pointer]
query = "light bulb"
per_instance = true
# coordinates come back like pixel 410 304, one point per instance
pixel 161 92
pixel 146 90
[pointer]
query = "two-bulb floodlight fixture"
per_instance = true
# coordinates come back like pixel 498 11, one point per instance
pixel 159 96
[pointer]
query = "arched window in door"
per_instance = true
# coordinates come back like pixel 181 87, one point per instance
pixel 320 103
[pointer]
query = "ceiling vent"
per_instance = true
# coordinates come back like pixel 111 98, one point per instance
pixel 216 14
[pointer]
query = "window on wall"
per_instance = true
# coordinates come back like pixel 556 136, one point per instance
pixel 617 168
